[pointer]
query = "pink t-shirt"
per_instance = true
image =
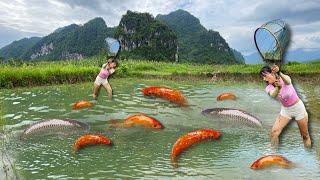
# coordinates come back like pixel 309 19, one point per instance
pixel 287 95
pixel 104 72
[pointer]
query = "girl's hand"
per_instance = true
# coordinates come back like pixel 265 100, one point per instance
pixel 275 69
pixel 112 70
pixel 277 83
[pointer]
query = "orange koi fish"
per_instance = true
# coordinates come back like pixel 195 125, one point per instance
pixel 271 160
pixel 90 139
pixel 137 119
pixel 144 120
pixel 187 140
pixel 171 95
pixel 81 104
pixel 225 96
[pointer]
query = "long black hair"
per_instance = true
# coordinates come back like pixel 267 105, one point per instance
pixel 264 70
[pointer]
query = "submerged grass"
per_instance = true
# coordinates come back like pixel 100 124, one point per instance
pixel 2 119
pixel 59 72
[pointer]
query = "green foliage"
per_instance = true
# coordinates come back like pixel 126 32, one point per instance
pixel 17 48
pixel 72 71
pixel 238 56
pixel 196 43
pixel 87 40
pixel 122 70
pixel 1 60
pixel 15 62
pixel 292 63
pixel 143 37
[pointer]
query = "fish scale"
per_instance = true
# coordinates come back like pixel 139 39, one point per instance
pixel 234 114
pixel 50 123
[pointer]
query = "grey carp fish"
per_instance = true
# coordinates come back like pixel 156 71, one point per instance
pixel 55 125
pixel 234 114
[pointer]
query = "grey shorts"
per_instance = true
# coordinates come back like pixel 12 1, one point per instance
pixel 297 111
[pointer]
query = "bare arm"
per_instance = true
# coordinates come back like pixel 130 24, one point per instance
pixel 286 79
pixel 277 87
pixel 275 92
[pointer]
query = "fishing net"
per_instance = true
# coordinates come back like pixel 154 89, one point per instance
pixel 271 40
pixel 113 46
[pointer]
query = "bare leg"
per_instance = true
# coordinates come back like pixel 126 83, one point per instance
pixel 277 128
pixel 96 91
pixel 109 89
pixel 303 126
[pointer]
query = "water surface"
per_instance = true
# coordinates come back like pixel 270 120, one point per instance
pixel 145 153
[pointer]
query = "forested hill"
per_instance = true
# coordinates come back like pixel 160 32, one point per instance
pixel 196 43
pixel 72 42
pixel 178 36
pixel 143 37
pixel 17 48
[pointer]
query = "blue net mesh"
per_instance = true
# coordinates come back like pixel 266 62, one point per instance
pixel 272 39
pixel 113 46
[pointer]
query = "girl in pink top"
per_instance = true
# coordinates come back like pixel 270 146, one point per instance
pixel 102 79
pixel 281 88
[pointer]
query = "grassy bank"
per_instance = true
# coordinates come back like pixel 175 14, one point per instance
pixel 59 72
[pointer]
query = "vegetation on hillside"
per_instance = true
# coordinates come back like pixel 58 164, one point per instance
pixel 196 43
pixel 143 37
pixel 16 49
pixel 176 36
pixel 72 41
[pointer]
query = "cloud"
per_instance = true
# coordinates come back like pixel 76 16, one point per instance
pixel 8 35
pixel 236 20
pixel 297 11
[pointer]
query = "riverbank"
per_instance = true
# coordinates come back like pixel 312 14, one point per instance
pixel 69 72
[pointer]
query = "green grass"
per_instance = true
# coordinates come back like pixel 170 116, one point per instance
pixel 59 72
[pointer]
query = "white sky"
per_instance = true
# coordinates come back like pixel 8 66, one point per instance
pixel 236 20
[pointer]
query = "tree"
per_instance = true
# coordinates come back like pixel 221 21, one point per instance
pixel 1 60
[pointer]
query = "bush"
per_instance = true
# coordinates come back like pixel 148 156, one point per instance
pixel 293 63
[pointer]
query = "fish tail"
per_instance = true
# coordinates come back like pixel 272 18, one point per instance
pixel 187 108
pixel 292 165
pixel 174 161
pixel 74 150
pixel 74 106
pixel 287 164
